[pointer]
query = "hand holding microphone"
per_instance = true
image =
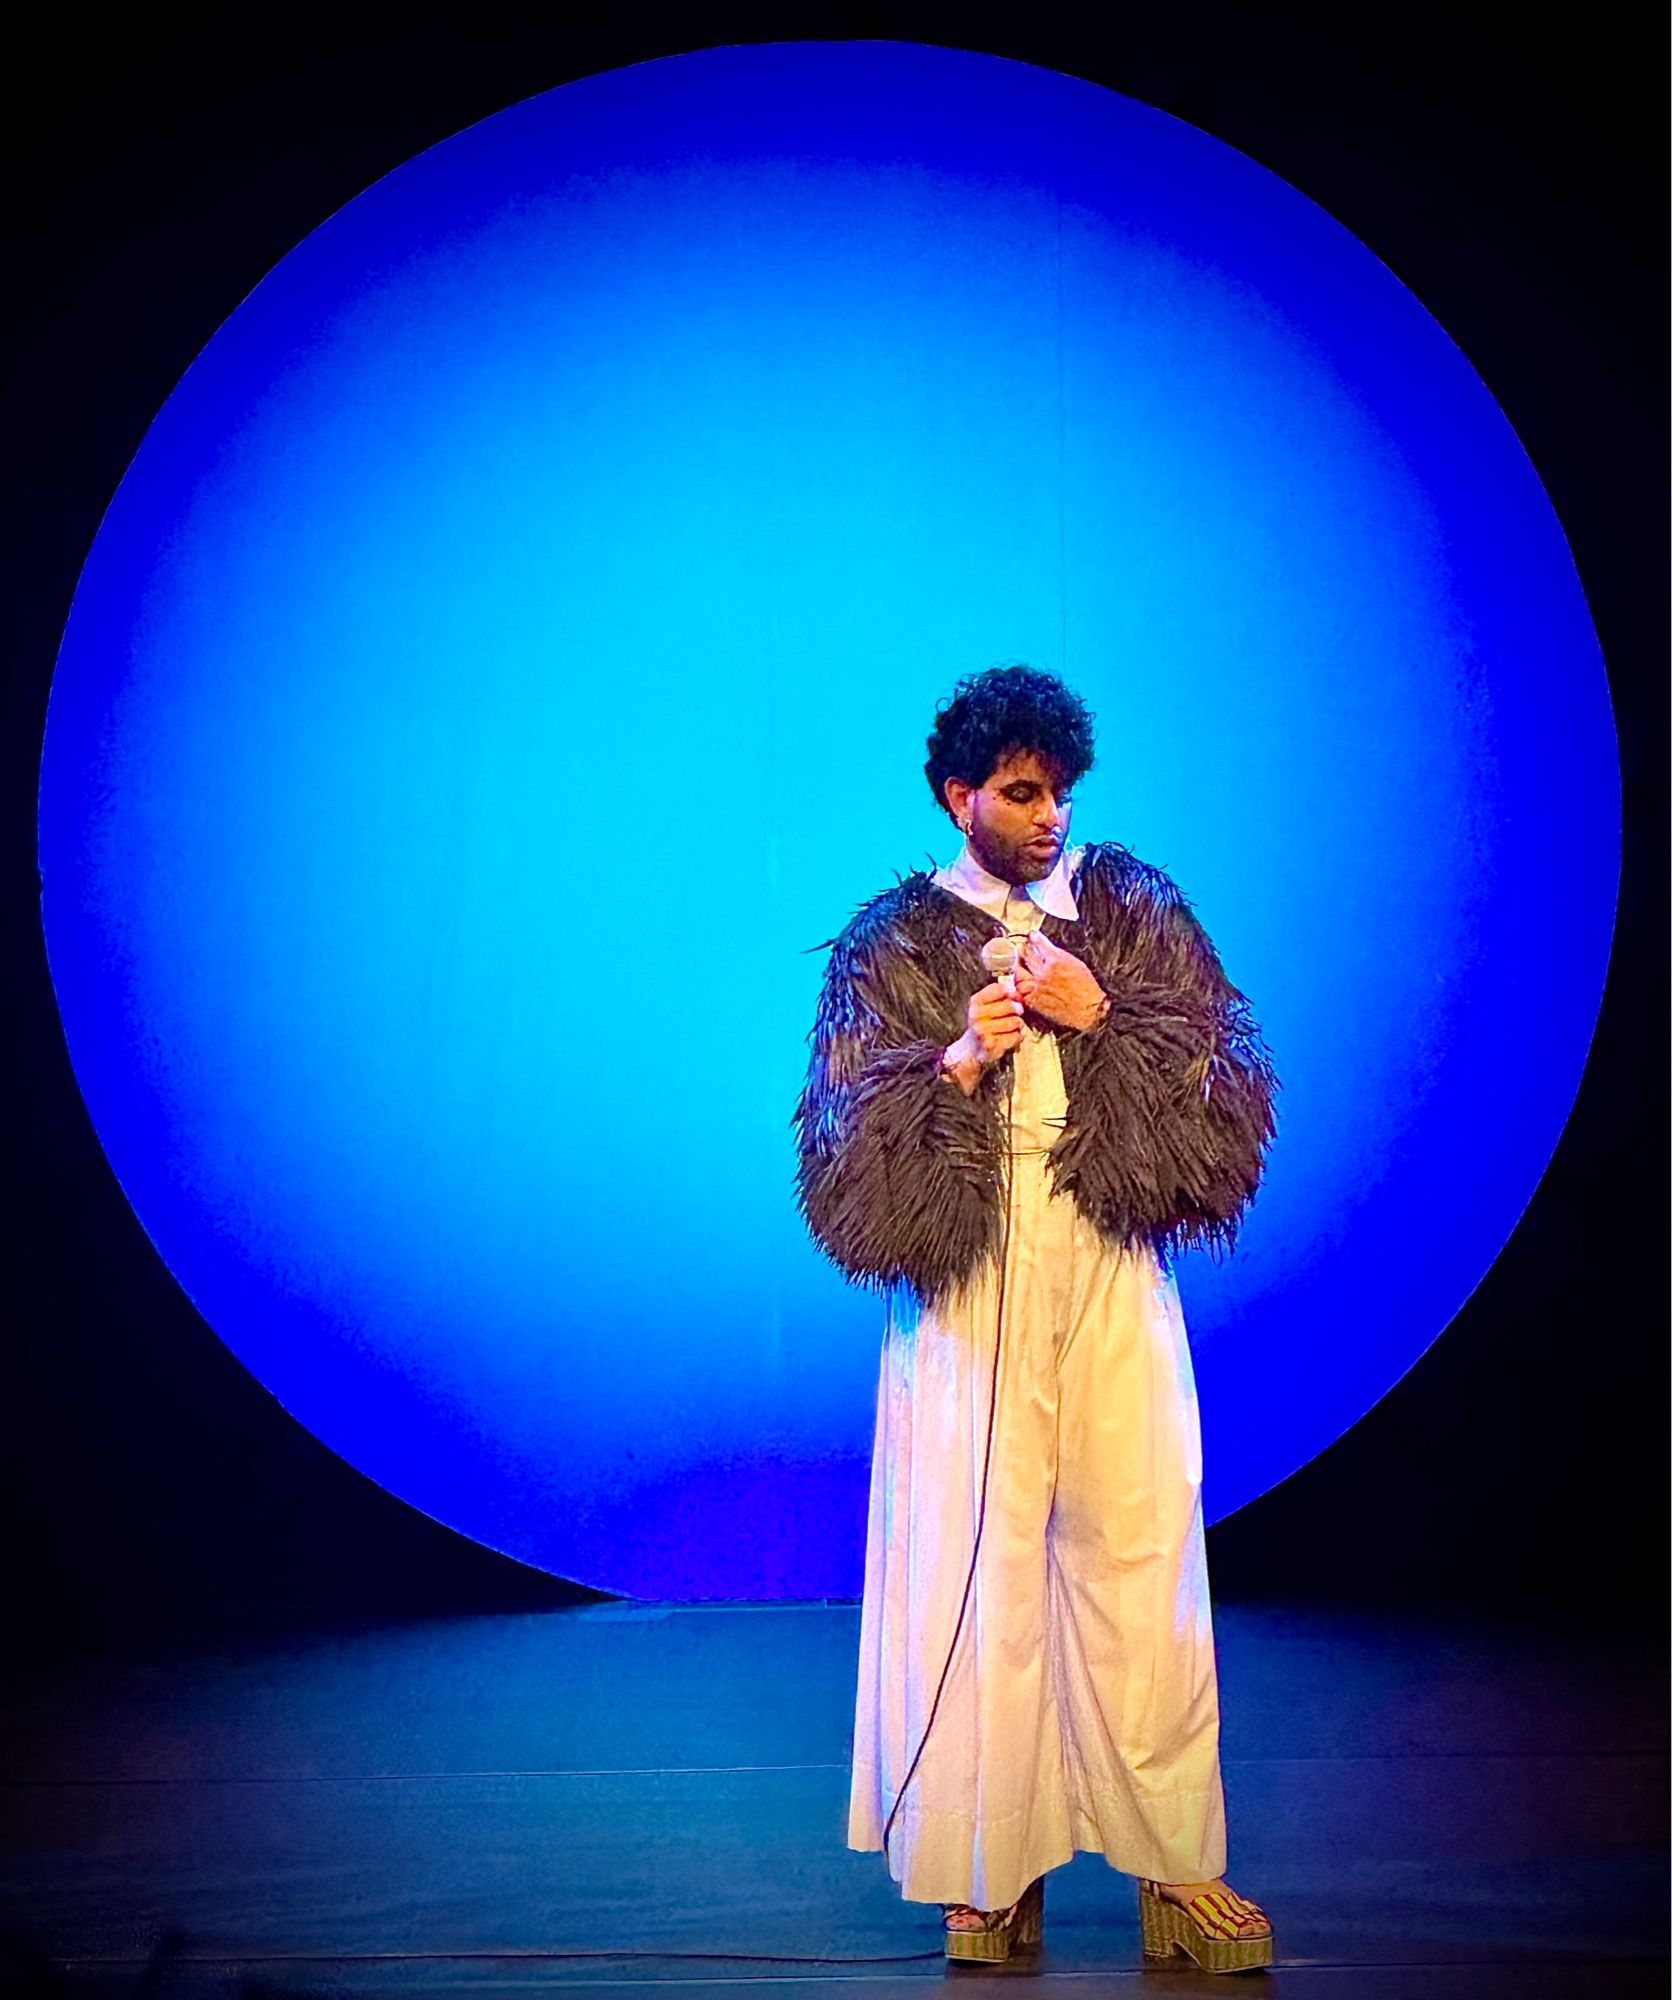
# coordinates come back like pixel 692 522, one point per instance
pixel 994 1017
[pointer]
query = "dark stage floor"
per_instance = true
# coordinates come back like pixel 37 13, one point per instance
pixel 632 1796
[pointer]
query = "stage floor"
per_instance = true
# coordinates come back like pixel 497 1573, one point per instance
pixel 625 1796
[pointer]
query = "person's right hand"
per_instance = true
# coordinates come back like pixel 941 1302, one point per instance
pixel 994 1028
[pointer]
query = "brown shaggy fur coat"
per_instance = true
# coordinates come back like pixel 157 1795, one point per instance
pixel 901 1176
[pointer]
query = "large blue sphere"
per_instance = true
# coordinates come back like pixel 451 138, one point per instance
pixel 511 652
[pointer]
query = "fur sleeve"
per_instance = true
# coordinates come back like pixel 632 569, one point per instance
pixel 1171 1096
pixel 899 1175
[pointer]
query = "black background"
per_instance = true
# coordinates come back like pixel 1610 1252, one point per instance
pixel 154 1491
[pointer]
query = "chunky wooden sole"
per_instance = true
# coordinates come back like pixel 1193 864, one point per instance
pixel 1004 1932
pixel 1168 1928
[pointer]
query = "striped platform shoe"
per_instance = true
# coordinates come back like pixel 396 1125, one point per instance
pixel 1215 1928
pixel 991 1936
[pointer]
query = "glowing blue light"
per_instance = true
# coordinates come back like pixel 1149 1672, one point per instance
pixel 511 650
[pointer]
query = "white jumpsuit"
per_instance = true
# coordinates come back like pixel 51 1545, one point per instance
pixel 1081 1710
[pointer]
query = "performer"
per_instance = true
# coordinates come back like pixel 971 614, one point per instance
pixel 1012 1171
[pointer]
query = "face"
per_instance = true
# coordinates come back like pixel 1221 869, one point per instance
pixel 1018 820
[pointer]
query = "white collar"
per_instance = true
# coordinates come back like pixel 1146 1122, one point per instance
pixel 967 878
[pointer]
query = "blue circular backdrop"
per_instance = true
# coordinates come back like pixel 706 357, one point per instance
pixel 511 651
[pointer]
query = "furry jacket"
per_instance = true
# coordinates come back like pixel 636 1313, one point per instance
pixel 901 1175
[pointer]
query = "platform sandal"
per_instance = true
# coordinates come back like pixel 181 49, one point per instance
pixel 1000 1934
pixel 1209 1929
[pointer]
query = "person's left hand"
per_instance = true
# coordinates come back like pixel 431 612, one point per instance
pixel 1055 983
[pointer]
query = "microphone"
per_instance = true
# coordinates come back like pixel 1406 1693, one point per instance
pixel 1000 956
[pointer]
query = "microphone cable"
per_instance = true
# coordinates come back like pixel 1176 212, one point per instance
pixel 987 1455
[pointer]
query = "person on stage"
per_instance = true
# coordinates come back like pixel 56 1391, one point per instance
pixel 1010 1159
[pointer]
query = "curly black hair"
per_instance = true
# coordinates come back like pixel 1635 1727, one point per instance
pixel 993 715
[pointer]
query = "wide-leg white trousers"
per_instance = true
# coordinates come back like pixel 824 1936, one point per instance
pixel 1081 1708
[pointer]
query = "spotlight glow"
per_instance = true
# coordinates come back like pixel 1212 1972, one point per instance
pixel 511 650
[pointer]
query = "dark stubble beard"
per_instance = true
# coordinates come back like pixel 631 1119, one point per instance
pixel 1015 865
